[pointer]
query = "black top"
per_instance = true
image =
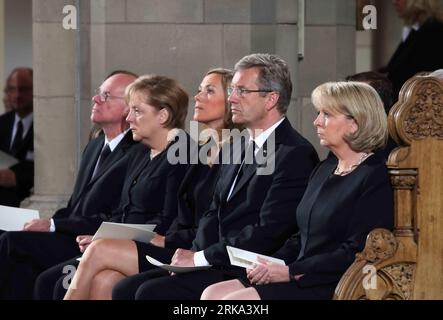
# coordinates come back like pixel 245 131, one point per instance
pixel 194 197
pixel 334 218
pixel 422 51
pixel 150 191
pixel 203 189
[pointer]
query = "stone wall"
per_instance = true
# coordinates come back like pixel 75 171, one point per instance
pixel 177 38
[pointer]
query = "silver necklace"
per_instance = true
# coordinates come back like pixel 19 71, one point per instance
pixel 351 168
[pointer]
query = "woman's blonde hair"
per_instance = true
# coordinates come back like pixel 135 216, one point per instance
pixel 363 104
pixel 420 10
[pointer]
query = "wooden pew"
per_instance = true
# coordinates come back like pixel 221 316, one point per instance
pixel 407 263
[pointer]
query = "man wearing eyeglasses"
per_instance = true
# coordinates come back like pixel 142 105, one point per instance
pixel 46 242
pixel 250 211
pixel 17 139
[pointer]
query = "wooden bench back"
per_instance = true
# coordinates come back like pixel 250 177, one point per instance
pixel 407 263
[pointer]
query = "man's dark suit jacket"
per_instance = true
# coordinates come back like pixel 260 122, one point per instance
pixel 334 218
pixel 94 199
pixel 23 255
pixel 148 196
pixel 260 213
pixel 422 51
pixel 24 170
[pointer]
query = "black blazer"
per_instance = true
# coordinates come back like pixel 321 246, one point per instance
pixel 260 214
pixel 149 194
pixel 24 170
pixel 422 51
pixel 334 217
pixel 93 198
pixel 194 198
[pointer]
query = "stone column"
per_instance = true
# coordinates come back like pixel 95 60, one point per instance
pixel 183 39
pixel 59 113
pixel 329 55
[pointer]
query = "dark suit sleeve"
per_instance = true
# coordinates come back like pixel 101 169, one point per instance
pixel 180 235
pixel 174 178
pixel 61 213
pixel 206 233
pixel 92 203
pixel 24 175
pixel 277 218
pixel 290 249
pixel 184 229
pixel 372 209
pixel 80 225
pixel 67 211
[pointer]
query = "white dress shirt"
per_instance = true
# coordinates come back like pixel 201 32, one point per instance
pixel 26 121
pixel 407 30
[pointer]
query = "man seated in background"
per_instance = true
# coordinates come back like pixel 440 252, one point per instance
pixel 17 138
pixel 46 242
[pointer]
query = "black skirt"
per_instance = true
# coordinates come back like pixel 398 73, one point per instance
pixel 161 254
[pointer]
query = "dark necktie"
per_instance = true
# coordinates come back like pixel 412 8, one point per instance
pixel 248 159
pixel 18 139
pixel 103 155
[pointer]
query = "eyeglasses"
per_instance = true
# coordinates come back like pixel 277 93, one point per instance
pixel 241 92
pixel 104 96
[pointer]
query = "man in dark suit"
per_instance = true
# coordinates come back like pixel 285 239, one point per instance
pixel 17 139
pixel 97 191
pixel 253 207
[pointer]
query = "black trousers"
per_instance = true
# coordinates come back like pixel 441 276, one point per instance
pixel 53 283
pixel 24 255
pixel 158 285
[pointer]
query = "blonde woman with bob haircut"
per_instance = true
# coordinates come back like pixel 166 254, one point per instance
pixel 347 196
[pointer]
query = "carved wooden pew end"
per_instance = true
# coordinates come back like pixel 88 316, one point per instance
pixel 407 263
